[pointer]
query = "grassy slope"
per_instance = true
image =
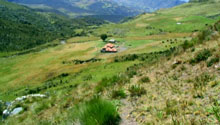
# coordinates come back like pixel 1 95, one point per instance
pixel 34 69
pixel 192 16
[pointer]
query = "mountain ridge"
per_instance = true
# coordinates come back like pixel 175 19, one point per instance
pixel 123 8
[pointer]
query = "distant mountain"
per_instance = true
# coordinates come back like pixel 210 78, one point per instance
pixel 74 8
pixel 202 0
pixel 149 5
pixel 117 9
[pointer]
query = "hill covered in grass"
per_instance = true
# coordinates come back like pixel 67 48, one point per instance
pixel 166 72
pixel 23 28
pixel 186 18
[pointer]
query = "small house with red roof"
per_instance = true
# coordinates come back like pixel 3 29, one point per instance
pixel 109 48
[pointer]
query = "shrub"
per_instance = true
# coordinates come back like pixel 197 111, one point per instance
pixel 131 73
pixel 87 77
pixel 187 44
pixel 193 49
pixel 204 35
pixel 217 26
pixel 145 79
pixel 201 56
pixel 136 90
pixel 212 61
pixel 216 110
pixel 103 37
pixel 171 107
pixel 97 112
pixel 202 80
pixel 123 79
pixel 118 94
pixel 1 107
pixel 107 82
pixel 42 106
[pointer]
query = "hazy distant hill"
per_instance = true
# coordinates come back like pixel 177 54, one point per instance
pixel 118 9
pixel 149 5
pixel 75 8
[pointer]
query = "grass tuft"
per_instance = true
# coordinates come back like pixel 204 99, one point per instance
pixel 201 56
pixel 215 110
pixel 202 80
pixel 144 79
pixel 97 112
pixel 212 61
pixel 1 108
pixel 137 90
pixel 118 94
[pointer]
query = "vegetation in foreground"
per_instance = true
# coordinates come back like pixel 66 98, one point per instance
pixel 97 112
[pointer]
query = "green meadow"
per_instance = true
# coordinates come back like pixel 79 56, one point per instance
pixel 144 34
pixel 53 71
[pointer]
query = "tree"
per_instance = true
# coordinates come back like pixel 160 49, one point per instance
pixel 1 107
pixel 104 37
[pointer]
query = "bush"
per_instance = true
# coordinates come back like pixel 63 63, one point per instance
pixel 97 112
pixel 212 61
pixel 201 56
pixel 145 79
pixel 42 106
pixel 205 35
pixel 202 80
pixel 171 107
pixel 187 44
pixel 87 77
pixel 131 73
pixel 217 26
pixel 216 110
pixel 103 37
pixel 1 107
pixel 107 82
pixel 118 94
pixel 136 90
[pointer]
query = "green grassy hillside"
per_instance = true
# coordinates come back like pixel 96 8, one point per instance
pixel 191 16
pixel 166 72
pixel 23 28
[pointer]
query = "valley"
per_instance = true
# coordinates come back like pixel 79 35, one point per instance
pixel 166 70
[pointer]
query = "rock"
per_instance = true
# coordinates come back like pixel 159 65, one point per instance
pixel 8 104
pixel 28 96
pixel 217 66
pixel 16 111
pixel 176 62
pixel 63 42
pixel 6 113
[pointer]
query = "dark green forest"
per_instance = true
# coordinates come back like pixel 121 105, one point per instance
pixel 23 28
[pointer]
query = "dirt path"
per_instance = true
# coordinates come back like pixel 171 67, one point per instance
pixel 126 110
